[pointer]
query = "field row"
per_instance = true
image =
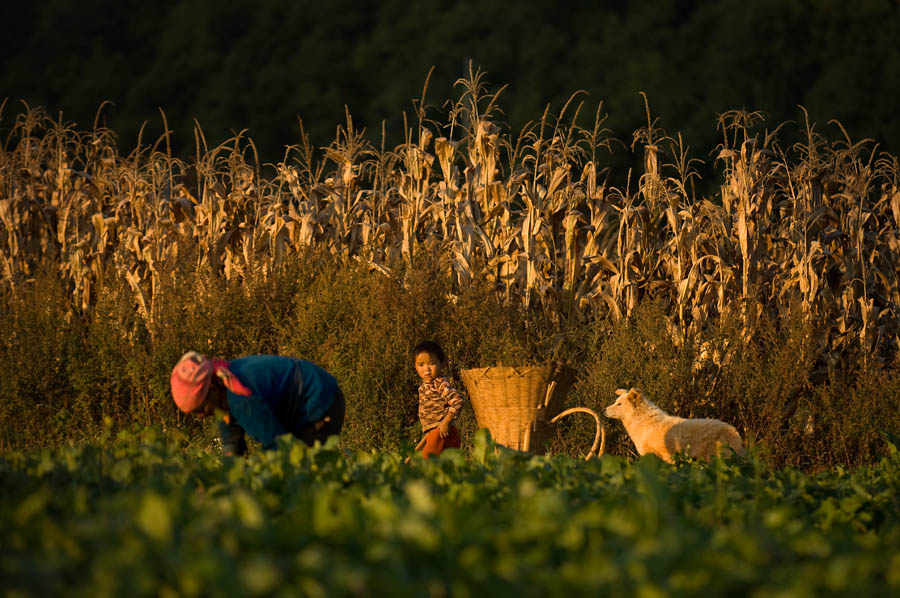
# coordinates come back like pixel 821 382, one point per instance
pixel 147 515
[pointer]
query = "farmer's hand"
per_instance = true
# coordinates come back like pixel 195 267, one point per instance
pixel 444 428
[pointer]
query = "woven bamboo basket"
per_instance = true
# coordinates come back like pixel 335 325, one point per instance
pixel 518 405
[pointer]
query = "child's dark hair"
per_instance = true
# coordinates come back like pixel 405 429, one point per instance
pixel 432 348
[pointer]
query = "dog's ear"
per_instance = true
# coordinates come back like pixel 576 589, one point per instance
pixel 634 396
pixel 620 392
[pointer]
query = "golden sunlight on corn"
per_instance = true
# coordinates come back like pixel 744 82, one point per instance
pixel 813 229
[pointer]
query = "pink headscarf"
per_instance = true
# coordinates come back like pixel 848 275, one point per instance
pixel 191 376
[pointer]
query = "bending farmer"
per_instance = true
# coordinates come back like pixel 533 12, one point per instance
pixel 263 395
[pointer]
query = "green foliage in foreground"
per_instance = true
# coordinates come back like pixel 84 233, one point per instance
pixel 146 515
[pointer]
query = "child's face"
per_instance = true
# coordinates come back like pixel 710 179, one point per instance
pixel 427 366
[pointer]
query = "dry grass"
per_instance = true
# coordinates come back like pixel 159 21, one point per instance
pixel 809 230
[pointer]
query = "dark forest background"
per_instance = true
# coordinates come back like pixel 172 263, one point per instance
pixel 259 65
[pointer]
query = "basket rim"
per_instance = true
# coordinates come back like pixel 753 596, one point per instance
pixel 519 369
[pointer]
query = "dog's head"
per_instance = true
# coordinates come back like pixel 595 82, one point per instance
pixel 627 401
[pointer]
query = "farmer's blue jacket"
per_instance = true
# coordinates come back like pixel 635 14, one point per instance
pixel 288 395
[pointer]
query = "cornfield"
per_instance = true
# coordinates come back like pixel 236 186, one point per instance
pixel 810 231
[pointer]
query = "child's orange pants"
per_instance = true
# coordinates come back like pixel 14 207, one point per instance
pixel 435 445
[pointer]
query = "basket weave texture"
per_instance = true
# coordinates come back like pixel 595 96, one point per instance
pixel 516 404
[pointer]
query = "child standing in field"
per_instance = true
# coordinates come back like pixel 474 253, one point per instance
pixel 439 402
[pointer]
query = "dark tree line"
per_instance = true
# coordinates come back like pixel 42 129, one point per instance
pixel 259 64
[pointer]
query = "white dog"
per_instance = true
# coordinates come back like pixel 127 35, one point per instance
pixel 655 431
